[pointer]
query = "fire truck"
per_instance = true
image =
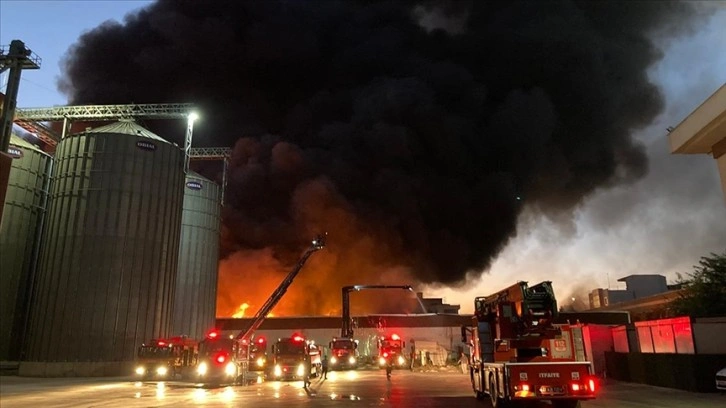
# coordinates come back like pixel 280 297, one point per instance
pixel 392 348
pixel 517 353
pixel 343 354
pixel 166 358
pixel 226 359
pixel 292 359
pixel 256 351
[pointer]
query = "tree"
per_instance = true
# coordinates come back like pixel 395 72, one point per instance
pixel 704 293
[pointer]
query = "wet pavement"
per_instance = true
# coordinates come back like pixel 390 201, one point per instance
pixel 362 388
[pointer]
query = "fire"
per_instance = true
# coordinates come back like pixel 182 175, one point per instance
pixel 241 310
pixel 354 255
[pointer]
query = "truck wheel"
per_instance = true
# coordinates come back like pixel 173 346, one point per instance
pixel 566 404
pixel 494 394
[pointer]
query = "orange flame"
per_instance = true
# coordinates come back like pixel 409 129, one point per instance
pixel 241 311
pixel 356 253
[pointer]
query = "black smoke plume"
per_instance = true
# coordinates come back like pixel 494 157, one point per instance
pixel 415 132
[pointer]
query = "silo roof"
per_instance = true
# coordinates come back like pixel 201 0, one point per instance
pixel 127 127
pixel 20 142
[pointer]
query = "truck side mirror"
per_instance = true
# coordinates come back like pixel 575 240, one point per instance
pixel 463 334
pixel 404 345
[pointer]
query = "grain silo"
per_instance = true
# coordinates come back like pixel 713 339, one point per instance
pixel 110 250
pixel 25 206
pixel 196 286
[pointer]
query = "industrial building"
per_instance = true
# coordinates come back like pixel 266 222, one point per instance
pixel 636 287
pixel 437 305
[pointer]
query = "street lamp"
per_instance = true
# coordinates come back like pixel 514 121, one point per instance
pixel 191 118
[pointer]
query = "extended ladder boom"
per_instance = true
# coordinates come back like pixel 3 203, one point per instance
pixel 317 244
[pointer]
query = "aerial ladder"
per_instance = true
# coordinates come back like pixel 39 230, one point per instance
pixel 317 244
pixel 226 359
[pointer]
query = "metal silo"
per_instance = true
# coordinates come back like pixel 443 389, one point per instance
pixel 110 251
pixel 196 286
pixel 25 206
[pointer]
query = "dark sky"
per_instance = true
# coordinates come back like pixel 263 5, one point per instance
pixel 415 133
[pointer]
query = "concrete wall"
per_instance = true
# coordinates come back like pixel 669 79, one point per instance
pixel 690 372
pixel 617 296
pixel 646 285
pixel 710 335
pixel 76 369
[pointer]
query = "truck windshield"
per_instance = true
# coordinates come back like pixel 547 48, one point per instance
pixel 290 348
pixel 389 344
pixel 154 352
pixel 340 344
pixel 209 347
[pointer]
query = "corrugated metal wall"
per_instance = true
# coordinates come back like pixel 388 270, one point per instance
pixel 110 251
pixel 25 206
pixel 196 286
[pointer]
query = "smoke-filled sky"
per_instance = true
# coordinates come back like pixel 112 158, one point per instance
pixel 456 146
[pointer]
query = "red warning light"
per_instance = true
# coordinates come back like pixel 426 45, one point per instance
pixel 261 340
pixel 213 334
pixel 395 337
pixel 161 344
pixel 298 338
pixel 220 358
pixel 385 354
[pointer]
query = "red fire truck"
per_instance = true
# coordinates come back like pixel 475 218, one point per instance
pixel 166 358
pixel 292 359
pixel 392 348
pixel 518 354
pixel 343 354
pixel 256 352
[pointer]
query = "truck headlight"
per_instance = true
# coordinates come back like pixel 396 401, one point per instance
pixel 260 362
pixel 162 371
pixel 351 360
pixel 277 371
pixel 333 360
pixel 140 370
pixel 301 370
pixel 382 361
pixel 401 360
pixel 230 369
pixel 202 368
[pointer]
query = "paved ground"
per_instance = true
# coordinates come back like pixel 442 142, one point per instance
pixel 354 388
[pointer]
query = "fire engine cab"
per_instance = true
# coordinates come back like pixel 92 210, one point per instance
pixel 292 360
pixel 166 358
pixel 518 354
pixel 392 348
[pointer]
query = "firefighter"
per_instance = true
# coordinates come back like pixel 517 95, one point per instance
pixel 308 369
pixel 389 367
pixel 325 366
